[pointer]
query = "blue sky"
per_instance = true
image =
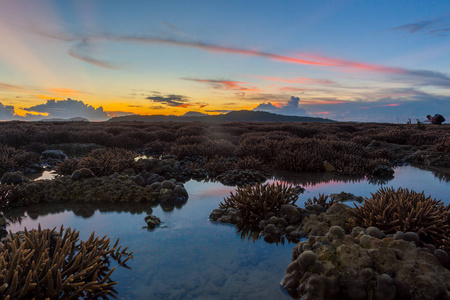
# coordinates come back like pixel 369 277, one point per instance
pixel 345 60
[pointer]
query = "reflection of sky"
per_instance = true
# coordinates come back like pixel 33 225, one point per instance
pixel 191 257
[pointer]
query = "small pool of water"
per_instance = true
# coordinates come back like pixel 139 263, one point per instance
pixel 190 257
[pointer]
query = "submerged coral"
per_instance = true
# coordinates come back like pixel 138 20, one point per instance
pixel 47 264
pixel 254 202
pixel 404 210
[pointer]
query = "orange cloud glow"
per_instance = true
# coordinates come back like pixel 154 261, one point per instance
pixel 21 112
pixel 393 104
pixel 45 97
pixel 63 91
pixel 321 112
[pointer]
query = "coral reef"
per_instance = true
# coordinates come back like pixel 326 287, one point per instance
pixel 104 162
pixel 361 266
pixel 404 210
pixel 140 187
pixel 254 202
pixel 241 177
pixel 9 195
pixel 152 221
pixel 47 264
pixel 324 200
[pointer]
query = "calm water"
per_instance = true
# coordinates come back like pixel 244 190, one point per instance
pixel 189 256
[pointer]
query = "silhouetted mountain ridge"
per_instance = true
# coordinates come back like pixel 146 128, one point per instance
pixel 233 116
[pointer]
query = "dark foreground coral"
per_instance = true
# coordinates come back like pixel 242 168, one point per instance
pixel 50 264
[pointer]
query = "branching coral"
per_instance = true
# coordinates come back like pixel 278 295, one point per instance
pixel 254 202
pixel 322 201
pixel 46 264
pixel 404 210
pixel 104 162
pixel 9 195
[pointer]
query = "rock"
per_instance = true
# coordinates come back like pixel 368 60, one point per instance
pixel 152 221
pixel 82 174
pixel 443 257
pixel 329 167
pixel 12 178
pixel 315 209
pixel 307 259
pixel 289 229
pixel 165 195
pixel 337 232
pixel 365 241
pixel 290 213
pixel 262 224
pixel 55 154
pixel 167 184
pixel 271 230
pixel 375 232
pixel 139 180
pixel 383 171
pixel 273 220
pixel 373 269
pixel 180 191
pixel 412 237
pixel 216 214
pixel 356 231
pixel 399 235
pixel 2 220
pixel 385 289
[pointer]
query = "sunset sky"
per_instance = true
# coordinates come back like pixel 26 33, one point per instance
pixel 345 60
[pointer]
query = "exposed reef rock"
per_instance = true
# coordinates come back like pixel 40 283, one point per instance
pixel 13 178
pixel 319 224
pixel 152 221
pixel 361 266
pixel 114 188
pixel 241 177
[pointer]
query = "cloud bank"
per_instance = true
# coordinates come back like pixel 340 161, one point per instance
pixel 289 108
pixel 69 109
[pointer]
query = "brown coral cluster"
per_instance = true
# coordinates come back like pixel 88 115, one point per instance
pixel 403 210
pixel 325 201
pixel 47 264
pixel 9 195
pixel 254 202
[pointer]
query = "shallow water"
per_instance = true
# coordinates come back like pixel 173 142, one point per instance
pixel 191 257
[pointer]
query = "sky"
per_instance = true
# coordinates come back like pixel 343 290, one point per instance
pixel 365 61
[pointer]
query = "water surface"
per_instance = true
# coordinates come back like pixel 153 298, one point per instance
pixel 190 257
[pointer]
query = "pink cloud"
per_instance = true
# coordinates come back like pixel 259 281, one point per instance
pixel 227 85
pixel 302 80
pixel 354 65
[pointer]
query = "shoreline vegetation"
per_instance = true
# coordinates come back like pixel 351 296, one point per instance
pixel 342 253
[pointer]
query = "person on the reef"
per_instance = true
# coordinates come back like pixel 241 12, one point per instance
pixel 437 119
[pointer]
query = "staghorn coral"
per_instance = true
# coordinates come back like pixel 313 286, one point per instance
pixel 104 162
pixel 254 202
pixel 67 166
pixel 404 210
pixel 322 201
pixel 9 195
pixel 46 264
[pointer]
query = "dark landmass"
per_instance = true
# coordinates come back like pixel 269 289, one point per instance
pixel 234 116
pixel 75 119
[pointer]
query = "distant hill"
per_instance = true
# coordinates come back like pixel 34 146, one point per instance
pixel 75 119
pixel 194 114
pixel 234 116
